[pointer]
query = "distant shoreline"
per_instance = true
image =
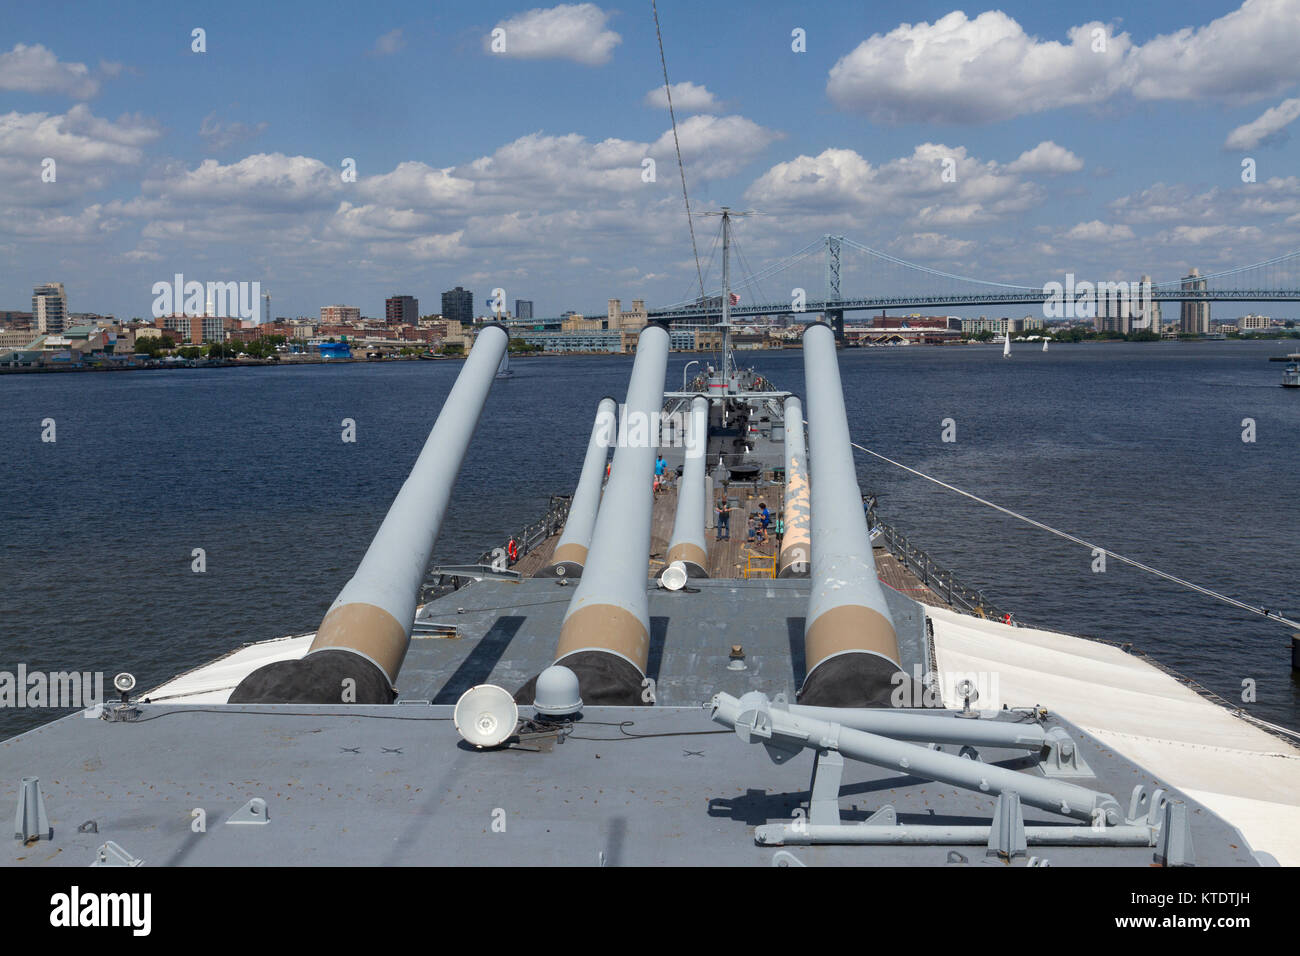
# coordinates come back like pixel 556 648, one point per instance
pixel 192 364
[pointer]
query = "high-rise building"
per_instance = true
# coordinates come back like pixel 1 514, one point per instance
pixel 49 308
pixel 339 314
pixel 523 308
pixel 1195 318
pixel 401 310
pixel 1124 311
pixel 458 305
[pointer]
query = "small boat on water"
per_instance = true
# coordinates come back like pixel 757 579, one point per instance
pixel 1006 345
pixel 1044 345
pixel 1291 374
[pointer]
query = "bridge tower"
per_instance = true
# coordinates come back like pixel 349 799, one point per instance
pixel 834 316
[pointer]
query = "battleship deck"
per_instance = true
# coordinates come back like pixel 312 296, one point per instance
pixel 654 784
pixel 730 557
pixel 394 785
pixel 632 785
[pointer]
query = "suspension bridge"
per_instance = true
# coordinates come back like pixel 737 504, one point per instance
pixel 834 275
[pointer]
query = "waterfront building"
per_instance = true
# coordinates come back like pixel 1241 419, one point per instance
pixel 982 324
pixel 1195 316
pixel 49 308
pixel 339 314
pixel 631 320
pixel 401 310
pixel 15 338
pixel 1124 312
pixel 523 308
pixel 458 305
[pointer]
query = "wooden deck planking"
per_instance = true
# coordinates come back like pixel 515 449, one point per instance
pixel 894 573
pixel 538 558
pixel 727 558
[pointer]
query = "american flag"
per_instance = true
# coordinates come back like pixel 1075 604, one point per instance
pixel 735 299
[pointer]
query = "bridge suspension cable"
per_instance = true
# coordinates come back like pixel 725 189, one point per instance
pixel 946 275
pixel 1182 582
pixel 1291 257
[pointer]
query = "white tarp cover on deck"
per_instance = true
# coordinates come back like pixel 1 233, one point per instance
pixel 1248 776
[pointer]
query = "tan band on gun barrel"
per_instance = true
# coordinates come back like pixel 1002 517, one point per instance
pixel 605 627
pixel 570 553
pixel 794 560
pixel 368 630
pixel 688 552
pixel 849 627
pixel 796 544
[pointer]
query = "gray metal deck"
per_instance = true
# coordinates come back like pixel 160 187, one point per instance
pixel 507 632
pixel 394 785
pixel 376 785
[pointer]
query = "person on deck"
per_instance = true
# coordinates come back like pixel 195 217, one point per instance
pixel 724 520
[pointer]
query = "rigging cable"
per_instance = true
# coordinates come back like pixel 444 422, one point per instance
pixel 1183 582
pixel 668 90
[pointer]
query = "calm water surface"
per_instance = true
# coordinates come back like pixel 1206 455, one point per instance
pixel 1135 447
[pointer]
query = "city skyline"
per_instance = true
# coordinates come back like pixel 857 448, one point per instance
pixel 1107 162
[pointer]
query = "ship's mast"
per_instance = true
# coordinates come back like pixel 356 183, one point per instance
pixel 728 363
pixel 726 298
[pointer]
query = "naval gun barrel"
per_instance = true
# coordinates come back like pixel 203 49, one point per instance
pixel 688 544
pixel 366 631
pixel 795 544
pixel 850 645
pixel 570 554
pixel 605 637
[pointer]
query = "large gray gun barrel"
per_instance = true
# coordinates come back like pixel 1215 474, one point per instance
pixel 688 544
pixel 362 641
pixel 850 646
pixel 795 543
pixel 605 638
pixel 570 554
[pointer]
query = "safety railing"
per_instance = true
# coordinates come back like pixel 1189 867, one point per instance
pixel 532 535
pixel 939 579
pixel 759 565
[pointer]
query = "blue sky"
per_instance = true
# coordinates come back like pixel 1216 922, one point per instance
pixel 522 169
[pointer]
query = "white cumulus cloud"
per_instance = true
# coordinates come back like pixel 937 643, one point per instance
pixel 912 187
pixel 959 70
pixel 987 69
pixel 570 31
pixel 1046 157
pixel 714 147
pixel 1267 128
pixel 77 136
pixel 688 97
pixel 1098 231
pixel 35 69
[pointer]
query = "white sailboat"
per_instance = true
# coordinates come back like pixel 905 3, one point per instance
pixel 1044 345
pixel 503 370
pixel 1006 344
